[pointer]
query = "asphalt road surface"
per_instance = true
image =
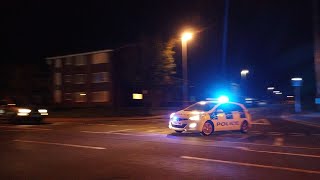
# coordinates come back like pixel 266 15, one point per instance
pixel 144 148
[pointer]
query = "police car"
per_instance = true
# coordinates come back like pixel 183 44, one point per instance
pixel 207 117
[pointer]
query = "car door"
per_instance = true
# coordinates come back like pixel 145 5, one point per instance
pixel 228 117
pixel 221 115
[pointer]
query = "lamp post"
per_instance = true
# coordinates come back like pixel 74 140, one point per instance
pixel 243 74
pixel 297 83
pixel 185 37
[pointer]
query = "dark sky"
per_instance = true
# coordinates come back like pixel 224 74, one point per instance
pixel 272 38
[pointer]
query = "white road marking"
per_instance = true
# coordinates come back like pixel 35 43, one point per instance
pixel 255 132
pixel 60 144
pixel 26 128
pixel 277 152
pixel 275 133
pixel 271 145
pixel 278 141
pixel 261 122
pixel 252 165
pixel 296 134
pixel 107 132
pixel 300 122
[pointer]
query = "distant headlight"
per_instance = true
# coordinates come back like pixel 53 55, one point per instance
pixel 42 111
pixel 195 118
pixel 171 115
pixel 24 110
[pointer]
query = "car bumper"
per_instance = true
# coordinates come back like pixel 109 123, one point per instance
pixel 184 126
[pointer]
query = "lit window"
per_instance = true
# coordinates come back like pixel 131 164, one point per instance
pixel 100 58
pixel 67 78
pixel 80 78
pixel 137 96
pixel 57 79
pixel 80 61
pixel 68 96
pixel 68 61
pixel 57 96
pixel 80 97
pixel 100 77
pixel 57 63
pixel 100 96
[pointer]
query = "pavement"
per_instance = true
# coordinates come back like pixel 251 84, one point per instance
pixel 310 118
pixel 144 148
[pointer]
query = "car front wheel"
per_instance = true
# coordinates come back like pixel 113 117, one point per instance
pixel 207 128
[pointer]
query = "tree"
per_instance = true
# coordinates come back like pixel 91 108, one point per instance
pixel 164 62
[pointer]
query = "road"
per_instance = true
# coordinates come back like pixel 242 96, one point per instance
pixel 144 148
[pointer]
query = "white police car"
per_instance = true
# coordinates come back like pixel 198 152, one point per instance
pixel 209 116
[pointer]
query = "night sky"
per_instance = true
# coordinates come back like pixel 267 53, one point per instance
pixel 271 38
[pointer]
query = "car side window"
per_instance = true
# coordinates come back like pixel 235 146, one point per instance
pixel 227 109
pixel 240 110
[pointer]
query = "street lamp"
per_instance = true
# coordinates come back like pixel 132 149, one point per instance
pixel 185 37
pixel 244 73
pixel 297 83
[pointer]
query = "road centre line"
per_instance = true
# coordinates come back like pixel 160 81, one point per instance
pixel 107 132
pixel 277 152
pixel 230 142
pixel 296 134
pixel 25 128
pixel 271 145
pixel 275 133
pixel 60 144
pixel 252 165
pixel 300 122
pixel 117 133
pixel 278 141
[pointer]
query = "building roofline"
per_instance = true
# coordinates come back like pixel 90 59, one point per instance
pixel 79 54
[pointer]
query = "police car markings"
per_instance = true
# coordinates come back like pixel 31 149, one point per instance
pixel 252 165
pixel 234 123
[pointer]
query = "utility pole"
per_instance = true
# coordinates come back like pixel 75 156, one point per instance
pixel 225 38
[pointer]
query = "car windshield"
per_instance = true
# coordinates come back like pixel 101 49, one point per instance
pixel 201 106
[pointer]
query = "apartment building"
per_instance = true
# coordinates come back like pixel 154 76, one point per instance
pixel 82 80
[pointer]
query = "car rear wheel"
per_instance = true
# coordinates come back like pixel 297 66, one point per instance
pixel 244 127
pixel 178 131
pixel 207 128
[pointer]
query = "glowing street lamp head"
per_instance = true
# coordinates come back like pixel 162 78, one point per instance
pixel 186 36
pixel 244 72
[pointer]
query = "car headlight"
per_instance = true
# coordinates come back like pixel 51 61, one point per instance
pixel 42 111
pixel 171 115
pixel 24 110
pixel 195 118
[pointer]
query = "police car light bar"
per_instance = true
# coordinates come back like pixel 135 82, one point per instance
pixel 223 99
